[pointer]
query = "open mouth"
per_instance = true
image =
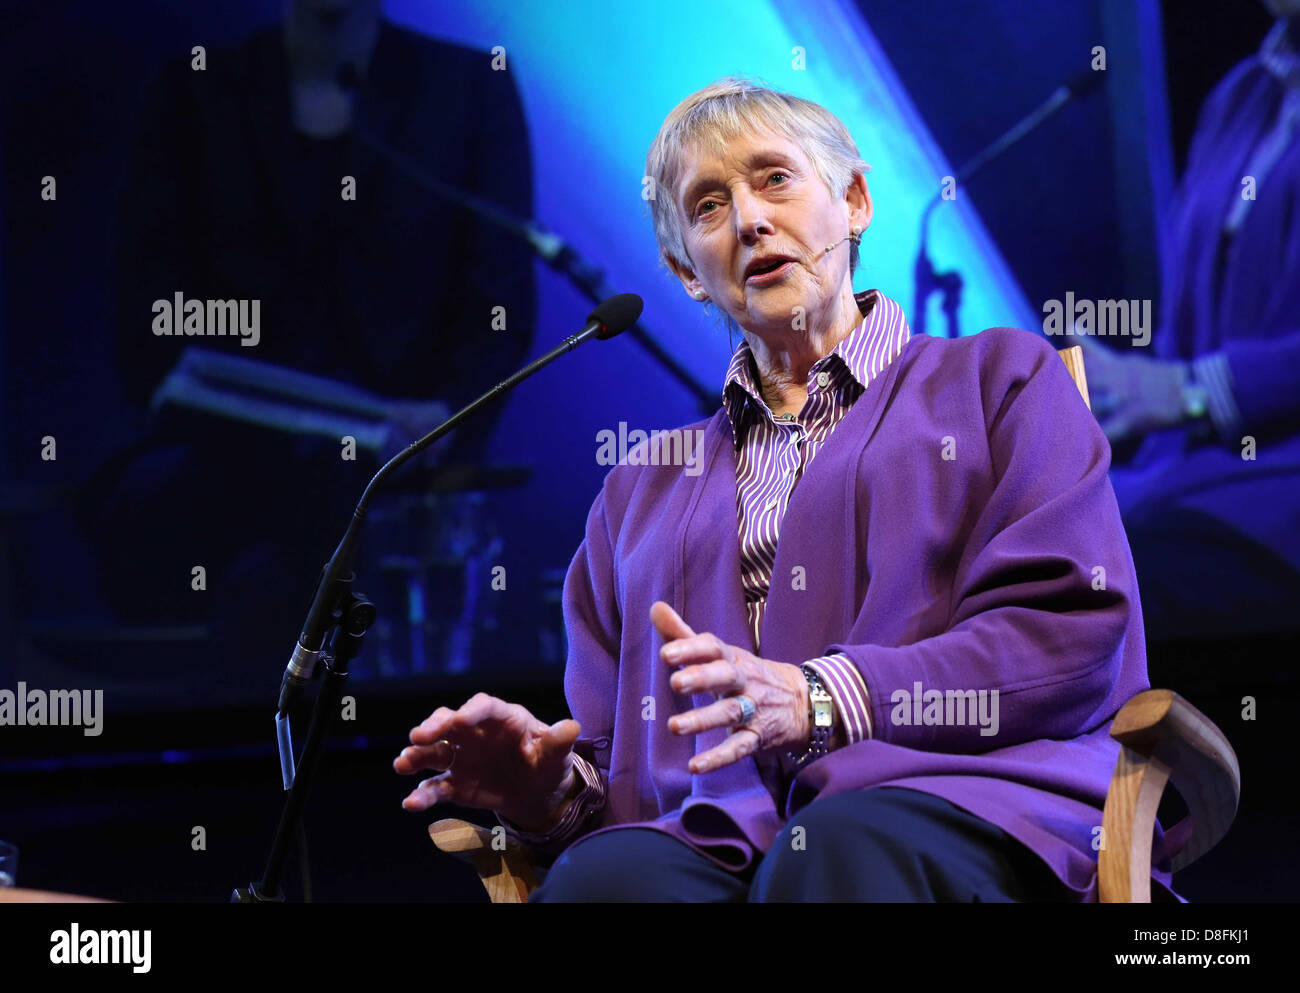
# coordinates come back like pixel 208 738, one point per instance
pixel 768 267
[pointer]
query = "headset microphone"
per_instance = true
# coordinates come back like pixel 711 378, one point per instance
pixel 855 238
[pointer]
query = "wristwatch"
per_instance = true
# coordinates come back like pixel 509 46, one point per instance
pixel 821 715
pixel 1195 396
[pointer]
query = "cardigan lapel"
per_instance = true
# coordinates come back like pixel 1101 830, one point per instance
pixel 708 584
pixel 707 589
pixel 819 534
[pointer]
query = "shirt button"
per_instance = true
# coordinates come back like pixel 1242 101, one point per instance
pixel 771 504
pixel 823 379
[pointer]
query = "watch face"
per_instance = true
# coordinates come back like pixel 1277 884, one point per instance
pixel 1195 400
pixel 822 713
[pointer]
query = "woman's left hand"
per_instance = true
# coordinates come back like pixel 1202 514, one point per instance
pixel 778 689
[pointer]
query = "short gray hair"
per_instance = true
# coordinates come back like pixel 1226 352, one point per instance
pixel 727 109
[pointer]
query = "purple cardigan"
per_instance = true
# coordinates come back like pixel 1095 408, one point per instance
pixel 953 532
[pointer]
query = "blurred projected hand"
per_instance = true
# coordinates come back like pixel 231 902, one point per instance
pixel 1132 394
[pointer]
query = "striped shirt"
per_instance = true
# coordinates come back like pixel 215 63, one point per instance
pixel 772 455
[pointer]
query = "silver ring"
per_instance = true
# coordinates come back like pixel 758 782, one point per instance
pixel 444 741
pixel 747 710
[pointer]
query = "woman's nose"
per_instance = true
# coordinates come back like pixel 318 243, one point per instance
pixel 751 214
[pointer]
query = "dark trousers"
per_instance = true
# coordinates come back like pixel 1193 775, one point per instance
pixel 884 844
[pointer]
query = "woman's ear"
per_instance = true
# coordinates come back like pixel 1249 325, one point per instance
pixel 690 282
pixel 858 198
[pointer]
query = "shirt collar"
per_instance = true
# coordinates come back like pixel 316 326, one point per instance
pixel 1279 56
pixel 863 353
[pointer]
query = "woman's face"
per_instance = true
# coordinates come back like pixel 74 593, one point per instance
pixel 759 204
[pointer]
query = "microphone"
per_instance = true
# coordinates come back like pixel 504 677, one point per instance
pixel 855 238
pixel 611 317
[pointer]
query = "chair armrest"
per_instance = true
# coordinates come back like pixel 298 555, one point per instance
pixel 1164 739
pixel 505 869
pixel 1073 359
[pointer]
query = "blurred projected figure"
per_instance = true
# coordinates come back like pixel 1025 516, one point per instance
pixel 334 297
pixel 1211 499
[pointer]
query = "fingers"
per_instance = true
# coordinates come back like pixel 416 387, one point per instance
pixel 1102 367
pixel 479 709
pixel 561 735
pixel 432 727
pixel 438 757
pixel 1116 430
pixel 1104 403
pixel 739 745
pixel 495 742
pixel 725 713
pixel 435 741
pixel 695 649
pixel 1087 342
pixel 683 647
pixel 668 623
pixel 721 676
pixel 1095 350
pixel 458 725
pixel 548 745
pixel 430 792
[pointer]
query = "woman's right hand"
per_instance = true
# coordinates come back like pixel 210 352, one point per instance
pixel 504 760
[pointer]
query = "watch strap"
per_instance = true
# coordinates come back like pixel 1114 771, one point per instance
pixel 821 711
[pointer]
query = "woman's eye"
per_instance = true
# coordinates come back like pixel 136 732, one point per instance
pixel 707 203
pixel 775 174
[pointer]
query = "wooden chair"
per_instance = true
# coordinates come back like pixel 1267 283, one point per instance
pixel 10 895
pixel 1163 739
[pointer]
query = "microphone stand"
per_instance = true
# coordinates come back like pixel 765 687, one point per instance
pixel 339 618
pixel 950 283
pixel 352 622
pixel 927 281
pixel 554 251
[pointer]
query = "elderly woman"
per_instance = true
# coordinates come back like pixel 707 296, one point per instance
pixel 901 566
